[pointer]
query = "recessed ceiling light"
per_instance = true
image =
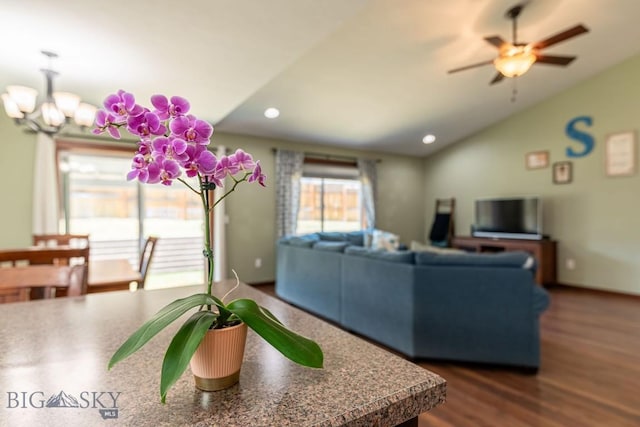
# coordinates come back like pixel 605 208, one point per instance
pixel 271 113
pixel 428 139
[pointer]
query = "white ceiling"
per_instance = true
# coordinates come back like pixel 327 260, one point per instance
pixel 363 74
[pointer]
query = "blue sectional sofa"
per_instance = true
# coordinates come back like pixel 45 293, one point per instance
pixel 465 307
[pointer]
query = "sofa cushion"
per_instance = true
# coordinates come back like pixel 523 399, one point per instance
pixel 330 246
pixel 355 238
pixel 404 257
pixel 305 241
pixel 503 259
pixel 332 236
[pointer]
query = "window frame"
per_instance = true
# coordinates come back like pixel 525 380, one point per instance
pixel 323 169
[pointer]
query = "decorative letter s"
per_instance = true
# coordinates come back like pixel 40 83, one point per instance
pixel 584 138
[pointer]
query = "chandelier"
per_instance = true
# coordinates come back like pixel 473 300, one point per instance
pixel 54 113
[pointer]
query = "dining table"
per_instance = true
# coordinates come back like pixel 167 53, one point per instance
pixel 53 370
pixel 107 275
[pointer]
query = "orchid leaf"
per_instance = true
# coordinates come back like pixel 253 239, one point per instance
pixel 271 315
pixel 157 323
pixel 182 347
pixel 295 347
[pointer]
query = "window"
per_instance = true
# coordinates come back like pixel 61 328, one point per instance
pixel 118 215
pixel 330 199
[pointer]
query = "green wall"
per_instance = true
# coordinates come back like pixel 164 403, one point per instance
pixel 16 163
pixel 251 230
pixel 595 219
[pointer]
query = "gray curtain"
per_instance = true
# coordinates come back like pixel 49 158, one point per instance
pixel 369 181
pixel 288 174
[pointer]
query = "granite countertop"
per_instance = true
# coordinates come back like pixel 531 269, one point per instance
pixel 61 348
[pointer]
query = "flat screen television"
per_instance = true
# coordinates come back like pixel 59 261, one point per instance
pixel 508 218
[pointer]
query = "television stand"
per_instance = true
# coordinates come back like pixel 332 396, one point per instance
pixel 544 251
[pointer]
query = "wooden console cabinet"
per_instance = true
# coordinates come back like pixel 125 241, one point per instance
pixel 544 252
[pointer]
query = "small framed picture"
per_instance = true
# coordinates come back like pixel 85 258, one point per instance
pixel 620 154
pixel 537 159
pixel 562 173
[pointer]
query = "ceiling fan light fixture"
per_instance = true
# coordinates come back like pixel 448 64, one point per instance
pixel 515 61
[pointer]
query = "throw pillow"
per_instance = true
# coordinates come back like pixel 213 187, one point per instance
pixel 385 240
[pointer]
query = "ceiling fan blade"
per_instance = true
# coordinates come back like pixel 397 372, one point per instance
pixel 562 36
pixel 497 41
pixel 554 60
pixel 479 64
pixel 497 78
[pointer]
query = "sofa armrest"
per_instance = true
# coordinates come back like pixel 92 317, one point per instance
pixel 478 314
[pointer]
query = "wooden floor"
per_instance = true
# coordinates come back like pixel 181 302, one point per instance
pixel 589 375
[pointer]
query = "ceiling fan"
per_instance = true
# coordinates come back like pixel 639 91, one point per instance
pixel 514 59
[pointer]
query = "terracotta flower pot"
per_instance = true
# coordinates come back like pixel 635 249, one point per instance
pixel 217 361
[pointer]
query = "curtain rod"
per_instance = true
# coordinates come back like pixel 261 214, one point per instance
pixel 325 156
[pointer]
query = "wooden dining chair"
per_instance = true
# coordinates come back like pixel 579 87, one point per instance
pixel 60 255
pixel 145 259
pixel 18 283
pixel 42 255
pixel 72 240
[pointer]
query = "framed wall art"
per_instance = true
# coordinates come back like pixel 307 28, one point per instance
pixel 562 173
pixel 620 154
pixel 537 159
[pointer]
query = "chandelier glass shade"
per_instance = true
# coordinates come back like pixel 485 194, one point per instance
pixel 514 61
pixel 56 110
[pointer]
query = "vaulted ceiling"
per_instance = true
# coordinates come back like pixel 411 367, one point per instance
pixel 362 74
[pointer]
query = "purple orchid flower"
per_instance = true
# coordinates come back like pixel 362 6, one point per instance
pixel 144 147
pixel 226 165
pixel 243 160
pixel 257 175
pixel 165 109
pixel 191 129
pixel 199 161
pixel 162 159
pixel 170 170
pixel 154 170
pixel 106 121
pixel 146 124
pixel 122 105
pixel 139 169
pixel 170 148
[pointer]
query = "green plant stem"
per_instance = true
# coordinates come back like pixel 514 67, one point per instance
pixel 236 182
pixel 189 186
pixel 208 252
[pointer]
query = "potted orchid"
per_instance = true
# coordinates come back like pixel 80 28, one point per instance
pixel 172 147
